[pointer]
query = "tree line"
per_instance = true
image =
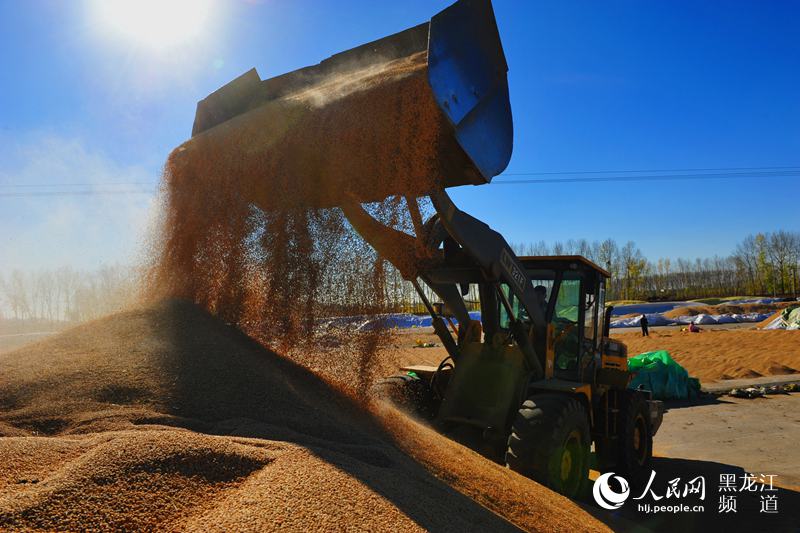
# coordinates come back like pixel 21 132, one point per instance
pixel 65 295
pixel 764 264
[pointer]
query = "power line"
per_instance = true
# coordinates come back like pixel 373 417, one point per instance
pixel 576 172
pixel 72 193
pixel 664 177
pixel 52 185
pixel 756 172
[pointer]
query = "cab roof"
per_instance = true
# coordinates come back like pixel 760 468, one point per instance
pixel 561 262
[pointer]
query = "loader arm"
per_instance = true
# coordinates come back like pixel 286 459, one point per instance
pixel 490 251
pixel 409 255
pixel 481 247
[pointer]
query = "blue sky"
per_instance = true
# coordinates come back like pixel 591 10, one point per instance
pixel 594 86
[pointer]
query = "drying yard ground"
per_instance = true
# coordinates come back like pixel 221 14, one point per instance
pixel 167 418
pixel 759 435
pixel 722 437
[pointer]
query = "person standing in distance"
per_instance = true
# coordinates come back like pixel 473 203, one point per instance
pixel 644 324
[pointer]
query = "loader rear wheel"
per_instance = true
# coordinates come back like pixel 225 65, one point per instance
pixel 631 453
pixel 549 443
pixel 409 393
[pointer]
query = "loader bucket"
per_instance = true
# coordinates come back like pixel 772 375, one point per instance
pixel 425 108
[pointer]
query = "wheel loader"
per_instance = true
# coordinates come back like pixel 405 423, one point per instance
pixel 536 380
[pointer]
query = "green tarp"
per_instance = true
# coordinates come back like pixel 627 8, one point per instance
pixel 660 374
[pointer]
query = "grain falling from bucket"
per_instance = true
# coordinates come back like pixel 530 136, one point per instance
pixel 250 229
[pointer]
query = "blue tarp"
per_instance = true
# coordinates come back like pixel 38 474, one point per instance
pixel 657 319
pixel 390 320
pixel 647 308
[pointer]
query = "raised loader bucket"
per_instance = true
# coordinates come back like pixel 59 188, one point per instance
pixel 403 115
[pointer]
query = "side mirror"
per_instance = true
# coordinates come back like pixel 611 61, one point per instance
pixel 464 288
pixel 607 321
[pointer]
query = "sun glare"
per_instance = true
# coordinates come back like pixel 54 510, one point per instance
pixel 154 23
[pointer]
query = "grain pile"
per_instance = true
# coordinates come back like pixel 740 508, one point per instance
pixel 710 355
pixel 723 354
pixel 166 417
pixel 722 309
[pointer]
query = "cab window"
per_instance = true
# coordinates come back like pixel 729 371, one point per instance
pixel 565 322
pixel 538 278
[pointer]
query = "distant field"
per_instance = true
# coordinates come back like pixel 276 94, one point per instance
pixel 625 302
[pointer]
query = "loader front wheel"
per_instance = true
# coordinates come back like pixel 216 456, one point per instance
pixel 636 440
pixel 630 452
pixel 550 441
pixel 409 393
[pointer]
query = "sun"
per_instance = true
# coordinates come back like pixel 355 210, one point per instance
pixel 155 24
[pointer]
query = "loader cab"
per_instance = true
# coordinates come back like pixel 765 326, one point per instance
pixel 537 419
pixel 574 305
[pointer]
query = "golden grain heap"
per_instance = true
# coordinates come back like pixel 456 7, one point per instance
pixel 165 418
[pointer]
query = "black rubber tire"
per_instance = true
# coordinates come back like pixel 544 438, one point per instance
pixel 631 453
pixel 604 457
pixel 550 441
pixel 634 454
pixel 409 393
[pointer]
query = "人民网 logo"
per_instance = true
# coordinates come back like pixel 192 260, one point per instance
pixel 605 496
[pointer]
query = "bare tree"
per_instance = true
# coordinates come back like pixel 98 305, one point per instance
pixel 779 249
